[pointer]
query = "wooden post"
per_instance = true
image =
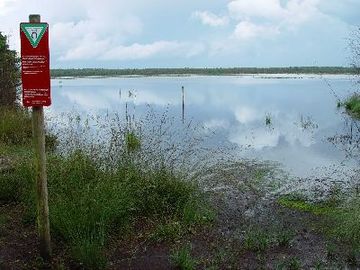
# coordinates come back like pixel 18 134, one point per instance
pixel 41 177
pixel 183 104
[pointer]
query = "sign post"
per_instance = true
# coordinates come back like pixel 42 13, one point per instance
pixel 35 74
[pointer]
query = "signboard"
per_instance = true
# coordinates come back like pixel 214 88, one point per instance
pixel 35 66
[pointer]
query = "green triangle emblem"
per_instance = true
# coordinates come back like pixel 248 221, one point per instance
pixel 34 32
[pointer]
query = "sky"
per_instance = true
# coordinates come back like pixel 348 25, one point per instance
pixel 190 33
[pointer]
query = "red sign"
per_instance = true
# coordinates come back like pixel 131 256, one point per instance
pixel 35 66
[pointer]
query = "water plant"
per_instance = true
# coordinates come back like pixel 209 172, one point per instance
pixel 352 105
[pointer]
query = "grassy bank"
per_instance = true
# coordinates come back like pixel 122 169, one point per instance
pixel 95 195
pixel 337 217
pixel 123 196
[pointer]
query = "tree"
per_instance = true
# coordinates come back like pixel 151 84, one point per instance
pixel 9 73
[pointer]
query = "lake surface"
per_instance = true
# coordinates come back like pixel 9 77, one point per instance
pixel 285 119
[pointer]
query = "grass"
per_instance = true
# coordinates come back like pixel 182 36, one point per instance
pixel 298 203
pixel 352 105
pixel 339 220
pixel 98 189
pixel 346 225
pixel 182 258
pixel 15 126
pixel 291 263
pixel 257 239
pixel 168 231
pixel 3 220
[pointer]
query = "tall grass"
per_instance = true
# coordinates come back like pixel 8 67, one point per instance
pixel 108 174
pixel 15 126
pixel 352 105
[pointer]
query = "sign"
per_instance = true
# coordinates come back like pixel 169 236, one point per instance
pixel 35 64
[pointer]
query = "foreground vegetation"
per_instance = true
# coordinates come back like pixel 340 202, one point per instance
pixel 199 71
pixel 120 195
pixel 352 105
pixel 94 197
pixel 9 73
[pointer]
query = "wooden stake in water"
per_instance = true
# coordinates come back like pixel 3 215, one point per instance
pixel 41 177
pixel 183 104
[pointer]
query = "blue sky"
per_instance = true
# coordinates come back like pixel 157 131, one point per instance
pixel 201 33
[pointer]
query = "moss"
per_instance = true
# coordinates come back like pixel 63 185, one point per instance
pixel 300 204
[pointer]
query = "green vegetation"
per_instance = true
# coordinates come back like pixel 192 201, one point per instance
pixel 339 219
pixel 9 73
pixel 268 121
pixel 259 240
pixel 15 126
pixel 352 106
pixel 347 222
pixel 291 263
pixel 182 258
pixel 95 194
pixel 199 71
pixel 299 203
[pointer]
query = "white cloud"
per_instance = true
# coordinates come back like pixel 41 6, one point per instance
pixel 245 9
pixel 267 18
pixel 294 12
pixel 209 18
pixel 98 30
pixel 300 11
pixel 88 47
pixel 142 51
pixel 247 30
pixel 6 6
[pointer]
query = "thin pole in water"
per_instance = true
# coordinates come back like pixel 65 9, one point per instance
pixel 183 104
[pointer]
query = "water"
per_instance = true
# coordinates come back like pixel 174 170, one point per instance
pixel 286 120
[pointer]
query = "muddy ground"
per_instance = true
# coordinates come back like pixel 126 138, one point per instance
pixel 251 231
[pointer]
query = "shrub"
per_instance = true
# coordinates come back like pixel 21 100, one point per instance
pixel 15 126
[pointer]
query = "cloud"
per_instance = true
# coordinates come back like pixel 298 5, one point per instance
pixel 208 18
pixel 293 12
pixel 264 19
pixel 6 6
pixel 247 30
pixel 93 38
pixel 142 51
pixel 268 18
pixel 253 32
pixel 345 10
pixel 90 48
pixel 246 9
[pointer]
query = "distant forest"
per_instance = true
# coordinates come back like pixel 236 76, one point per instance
pixel 85 72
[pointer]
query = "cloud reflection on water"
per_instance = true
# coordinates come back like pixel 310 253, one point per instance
pixel 234 107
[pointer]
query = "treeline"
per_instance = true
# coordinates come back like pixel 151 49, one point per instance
pixel 85 72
